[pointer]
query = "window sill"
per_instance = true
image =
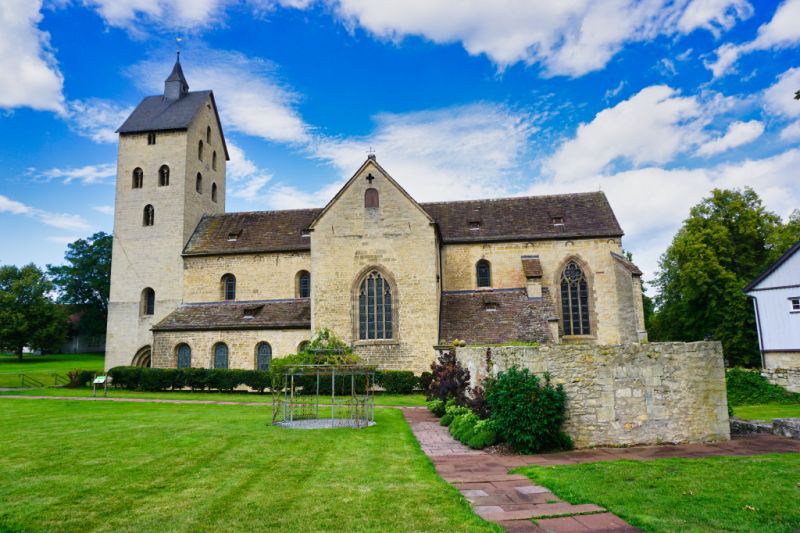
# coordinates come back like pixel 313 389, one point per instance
pixel 376 342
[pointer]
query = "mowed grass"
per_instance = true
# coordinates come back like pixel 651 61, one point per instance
pixel 396 400
pixel 767 411
pixel 759 493
pixel 106 466
pixel 42 367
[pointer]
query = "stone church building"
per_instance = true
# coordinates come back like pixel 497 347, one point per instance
pixel 192 285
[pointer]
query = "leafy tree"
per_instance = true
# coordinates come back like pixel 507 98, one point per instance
pixel 728 239
pixel 28 317
pixel 85 279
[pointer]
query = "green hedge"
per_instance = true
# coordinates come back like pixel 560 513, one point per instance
pixel 747 387
pixel 397 381
pixel 160 379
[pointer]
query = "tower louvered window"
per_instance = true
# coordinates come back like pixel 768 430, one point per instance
pixel 184 356
pixel 375 319
pixel 221 355
pixel 574 300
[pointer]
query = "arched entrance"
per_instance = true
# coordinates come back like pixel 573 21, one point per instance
pixel 142 357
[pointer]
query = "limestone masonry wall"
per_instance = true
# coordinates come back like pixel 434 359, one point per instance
pixel 627 394
pixel 788 378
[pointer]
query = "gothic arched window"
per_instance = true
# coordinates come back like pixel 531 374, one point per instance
pixel 371 198
pixel 147 305
pixel 574 300
pixel 214 160
pixel 303 284
pixel 483 273
pixel 228 287
pixel 138 178
pixel 220 355
pixel 163 176
pixel 198 183
pixel 200 150
pixel 184 356
pixel 375 313
pixel 148 215
pixel 213 192
pixel 263 356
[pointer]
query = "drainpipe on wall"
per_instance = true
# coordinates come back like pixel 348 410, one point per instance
pixel 758 329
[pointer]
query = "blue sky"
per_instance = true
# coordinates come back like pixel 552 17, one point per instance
pixel 653 101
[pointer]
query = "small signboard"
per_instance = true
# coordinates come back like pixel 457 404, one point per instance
pixel 100 380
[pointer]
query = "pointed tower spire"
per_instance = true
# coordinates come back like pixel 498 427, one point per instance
pixel 175 85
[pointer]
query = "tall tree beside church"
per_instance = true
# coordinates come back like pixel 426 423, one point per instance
pixel 85 279
pixel 28 317
pixel 728 239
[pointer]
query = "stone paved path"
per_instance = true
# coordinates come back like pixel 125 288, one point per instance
pixel 513 501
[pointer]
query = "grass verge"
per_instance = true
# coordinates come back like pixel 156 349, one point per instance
pixel 767 411
pixel 78 466
pixel 758 493
pixel 42 367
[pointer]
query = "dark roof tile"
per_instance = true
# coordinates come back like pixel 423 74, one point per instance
pixel 531 266
pixel 265 314
pixel 157 113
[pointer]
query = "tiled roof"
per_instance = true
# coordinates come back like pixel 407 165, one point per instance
pixel 528 218
pixel 558 216
pixel 633 269
pixel 531 266
pixel 495 316
pixel 264 314
pixel 259 231
pixel 157 113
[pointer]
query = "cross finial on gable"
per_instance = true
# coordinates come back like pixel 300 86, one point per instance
pixel 371 153
pixel 370 177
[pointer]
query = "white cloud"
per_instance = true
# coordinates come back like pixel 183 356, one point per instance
pixel 29 74
pixel 567 38
pixel 650 127
pixel 460 152
pixel 63 240
pixel 97 119
pixel 779 98
pixel 181 14
pixel 791 132
pixel 246 179
pixel 57 220
pixel 104 209
pixel 88 175
pixel 782 31
pixel 738 133
pixel 251 98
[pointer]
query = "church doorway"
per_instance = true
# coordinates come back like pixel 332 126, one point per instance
pixel 142 358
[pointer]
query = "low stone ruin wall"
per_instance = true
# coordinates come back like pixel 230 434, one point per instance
pixel 627 394
pixel 788 378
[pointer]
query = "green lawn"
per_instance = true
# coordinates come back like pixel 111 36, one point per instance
pixel 759 493
pixel 767 411
pixel 105 466
pixel 398 400
pixel 42 367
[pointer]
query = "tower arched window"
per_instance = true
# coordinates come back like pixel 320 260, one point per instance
pixel 483 273
pixel 220 355
pixel 371 198
pixel 148 215
pixel 375 311
pixel 200 150
pixel 163 176
pixel 303 284
pixel 574 300
pixel 208 134
pixel 184 353
pixel 213 192
pixel 198 183
pixel 214 160
pixel 147 305
pixel 263 356
pixel 228 287
pixel 138 178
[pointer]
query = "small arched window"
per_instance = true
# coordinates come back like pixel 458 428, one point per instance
pixel 301 348
pixel 148 215
pixel 184 356
pixel 138 178
pixel 214 160
pixel 163 176
pixel 303 284
pixel 228 287
pixel 483 273
pixel 213 192
pixel 220 355
pixel 371 198
pixel 200 150
pixel 574 300
pixel 263 356
pixel 148 302
pixel 208 134
pixel 375 318
pixel 198 183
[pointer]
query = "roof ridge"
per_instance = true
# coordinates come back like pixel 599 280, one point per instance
pixel 265 211
pixel 524 197
pixel 240 302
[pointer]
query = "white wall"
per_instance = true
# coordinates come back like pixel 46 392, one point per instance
pixel 779 326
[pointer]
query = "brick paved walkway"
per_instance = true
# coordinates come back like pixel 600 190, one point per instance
pixel 513 501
